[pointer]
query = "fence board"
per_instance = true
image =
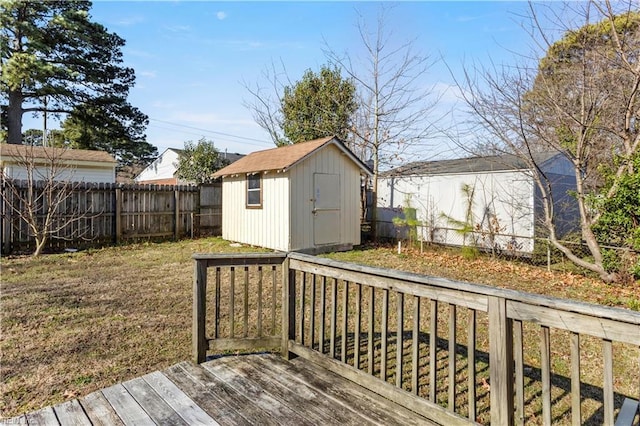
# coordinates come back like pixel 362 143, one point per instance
pixel 99 214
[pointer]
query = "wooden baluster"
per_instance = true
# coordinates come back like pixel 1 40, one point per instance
pixel 232 300
pixel 260 301
pixel 399 338
pixel 471 364
pixel 334 318
pixel 245 319
pixel 384 330
pixel 576 413
pixel 545 368
pixel 518 347
pixel 433 351
pixel 607 352
pixel 356 333
pixel 371 318
pixel 217 297
pixel 312 312
pixel 274 298
pixel 323 308
pixel 415 358
pixel 345 319
pixel 452 357
pixel 303 291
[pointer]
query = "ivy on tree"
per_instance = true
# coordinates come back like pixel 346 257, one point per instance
pixel 56 60
pixel 198 161
pixel 318 105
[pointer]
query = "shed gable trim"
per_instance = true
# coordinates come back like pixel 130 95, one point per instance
pixel 283 158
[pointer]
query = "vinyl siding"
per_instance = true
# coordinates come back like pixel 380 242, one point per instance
pixel 104 174
pixel 328 160
pixel 265 227
pixel 509 195
pixel 162 167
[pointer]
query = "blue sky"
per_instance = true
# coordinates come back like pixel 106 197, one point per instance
pixel 191 57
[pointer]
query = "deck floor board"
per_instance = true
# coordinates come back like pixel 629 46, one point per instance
pixel 242 390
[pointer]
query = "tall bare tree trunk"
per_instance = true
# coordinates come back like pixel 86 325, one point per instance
pixel 14 117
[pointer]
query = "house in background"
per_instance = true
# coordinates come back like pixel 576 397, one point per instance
pixel 501 198
pixel 75 165
pixel 162 170
pixel 301 197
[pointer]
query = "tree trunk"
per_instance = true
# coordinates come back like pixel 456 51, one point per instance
pixel 40 243
pixel 14 117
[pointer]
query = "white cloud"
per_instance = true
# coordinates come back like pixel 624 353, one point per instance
pixel 130 21
pixel 163 105
pixel 447 93
pixel 139 53
pixel 149 74
pixel 221 15
pixel 178 28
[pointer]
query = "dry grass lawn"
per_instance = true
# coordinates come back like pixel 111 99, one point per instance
pixel 76 322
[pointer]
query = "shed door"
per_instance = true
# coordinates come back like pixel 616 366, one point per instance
pixel 326 209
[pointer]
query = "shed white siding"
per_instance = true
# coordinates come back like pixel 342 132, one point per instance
pixel 265 227
pixel 509 195
pixel 329 160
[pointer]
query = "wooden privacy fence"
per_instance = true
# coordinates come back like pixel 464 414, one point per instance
pixel 95 214
pixel 455 352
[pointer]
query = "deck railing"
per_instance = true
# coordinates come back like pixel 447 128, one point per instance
pixel 455 352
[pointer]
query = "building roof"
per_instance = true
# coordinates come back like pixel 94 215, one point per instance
pixel 468 165
pixel 283 158
pixel 231 156
pixel 22 152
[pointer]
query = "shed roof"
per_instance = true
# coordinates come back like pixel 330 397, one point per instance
pixel 284 157
pixel 468 165
pixel 21 152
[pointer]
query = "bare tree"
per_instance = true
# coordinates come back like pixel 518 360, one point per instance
pixel 42 194
pixel 395 112
pixel 265 102
pixel 582 99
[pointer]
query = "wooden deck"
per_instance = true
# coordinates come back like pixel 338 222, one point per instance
pixel 260 389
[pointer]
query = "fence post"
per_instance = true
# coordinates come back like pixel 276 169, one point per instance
pixel 6 220
pixel 118 214
pixel 176 213
pixel 195 223
pixel 501 371
pixel 288 307
pixel 199 336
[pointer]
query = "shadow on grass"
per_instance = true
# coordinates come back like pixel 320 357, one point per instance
pixel 561 385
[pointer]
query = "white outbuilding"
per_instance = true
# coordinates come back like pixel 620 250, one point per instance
pixel 301 197
pixel 59 164
pixel 496 194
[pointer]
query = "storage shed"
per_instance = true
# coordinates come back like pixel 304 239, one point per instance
pixel 301 197
pixel 502 200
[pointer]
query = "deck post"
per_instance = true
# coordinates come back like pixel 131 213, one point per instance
pixel 288 307
pixel 501 375
pixel 199 337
